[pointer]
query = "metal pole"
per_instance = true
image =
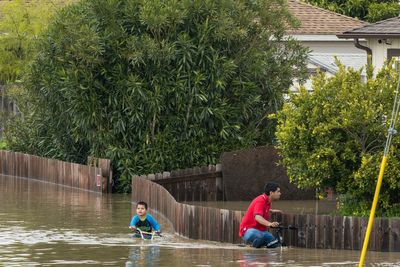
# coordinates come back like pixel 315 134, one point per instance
pixel 372 214
pixel 392 131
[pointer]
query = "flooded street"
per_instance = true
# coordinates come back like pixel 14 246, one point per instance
pixel 46 225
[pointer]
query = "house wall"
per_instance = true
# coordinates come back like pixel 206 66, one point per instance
pixel 332 47
pixel 328 44
pixel 325 43
pixel 379 50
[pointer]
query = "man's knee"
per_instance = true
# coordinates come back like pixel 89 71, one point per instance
pixel 259 242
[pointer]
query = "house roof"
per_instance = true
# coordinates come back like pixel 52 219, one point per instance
pixel 381 29
pixel 318 21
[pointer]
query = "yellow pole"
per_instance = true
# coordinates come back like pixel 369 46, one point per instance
pixel 372 214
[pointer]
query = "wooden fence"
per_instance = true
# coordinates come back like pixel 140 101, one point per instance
pixel 249 168
pixel 50 170
pixel 314 231
pixel 194 184
pixel 106 172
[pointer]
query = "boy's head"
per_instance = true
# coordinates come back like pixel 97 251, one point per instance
pixel 272 190
pixel 141 208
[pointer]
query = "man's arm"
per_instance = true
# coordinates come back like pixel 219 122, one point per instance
pixel 263 221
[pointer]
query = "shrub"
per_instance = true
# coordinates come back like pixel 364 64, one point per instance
pixel 334 137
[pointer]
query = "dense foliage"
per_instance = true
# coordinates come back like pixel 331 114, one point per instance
pixel 368 10
pixel 21 23
pixel 334 137
pixel 3 145
pixel 157 85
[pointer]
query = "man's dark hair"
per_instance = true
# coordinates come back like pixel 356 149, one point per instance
pixel 270 187
pixel 142 203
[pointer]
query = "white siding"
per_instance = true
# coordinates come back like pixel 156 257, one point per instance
pixel 379 50
pixel 333 47
pixel 325 47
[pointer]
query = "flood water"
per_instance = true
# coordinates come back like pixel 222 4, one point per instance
pixel 45 225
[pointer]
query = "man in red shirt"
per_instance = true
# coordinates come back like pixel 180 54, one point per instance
pixel 253 228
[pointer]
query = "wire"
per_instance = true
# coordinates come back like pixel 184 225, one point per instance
pixel 395 112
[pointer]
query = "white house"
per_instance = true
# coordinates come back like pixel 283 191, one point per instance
pixel 318 31
pixel 383 40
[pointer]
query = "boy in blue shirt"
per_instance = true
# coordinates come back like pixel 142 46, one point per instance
pixel 143 221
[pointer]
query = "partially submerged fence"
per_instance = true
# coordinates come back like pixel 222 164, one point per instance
pixel 193 184
pixel 191 221
pixel 50 170
pixel 314 231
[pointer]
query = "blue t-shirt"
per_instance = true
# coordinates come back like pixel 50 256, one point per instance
pixel 146 225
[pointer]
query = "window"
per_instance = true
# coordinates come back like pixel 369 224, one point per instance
pixel 394 54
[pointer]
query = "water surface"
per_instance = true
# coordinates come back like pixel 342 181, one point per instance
pixel 43 224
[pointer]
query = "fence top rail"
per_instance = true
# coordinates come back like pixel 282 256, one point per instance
pixel 190 177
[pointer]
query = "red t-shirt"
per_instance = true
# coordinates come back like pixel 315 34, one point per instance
pixel 261 206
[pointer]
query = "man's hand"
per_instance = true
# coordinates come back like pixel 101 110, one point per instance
pixel 158 233
pixel 133 228
pixel 274 224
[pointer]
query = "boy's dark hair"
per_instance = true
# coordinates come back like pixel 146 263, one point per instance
pixel 142 203
pixel 270 187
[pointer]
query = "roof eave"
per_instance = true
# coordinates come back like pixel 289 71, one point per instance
pixel 367 35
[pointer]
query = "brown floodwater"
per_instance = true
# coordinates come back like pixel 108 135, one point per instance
pixel 42 224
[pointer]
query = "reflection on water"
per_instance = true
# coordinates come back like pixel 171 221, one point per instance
pixel 288 206
pixel 47 225
pixel 150 255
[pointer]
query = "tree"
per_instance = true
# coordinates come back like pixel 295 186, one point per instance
pixel 368 10
pixel 158 85
pixel 334 137
pixel 21 23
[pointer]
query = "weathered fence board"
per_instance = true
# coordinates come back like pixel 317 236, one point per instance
pixel 385 236
pixel 356 234
pixel 394 235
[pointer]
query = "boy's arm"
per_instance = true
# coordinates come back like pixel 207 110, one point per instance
pixel 153 223
pixel 134 221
